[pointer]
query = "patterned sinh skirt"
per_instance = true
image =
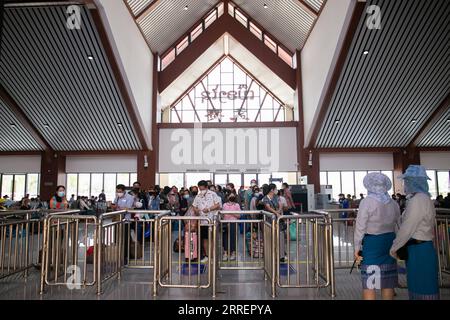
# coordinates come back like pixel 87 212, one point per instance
pixel 422 272
pixel 378 268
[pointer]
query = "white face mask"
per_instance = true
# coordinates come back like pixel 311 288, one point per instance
pixel 138 205
pixel 119 194
pixel 186 196
pixel 202 192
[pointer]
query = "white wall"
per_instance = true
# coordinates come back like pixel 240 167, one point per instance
pixel 99 164
pixel 272 149
pixel 20 164
pixel 319 55
pixel 135 57
pixel 435 160
pixel 356 161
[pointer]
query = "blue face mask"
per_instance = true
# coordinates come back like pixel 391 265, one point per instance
pixel 61 194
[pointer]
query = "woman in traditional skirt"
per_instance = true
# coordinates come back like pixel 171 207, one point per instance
pixel 416 233
pixel 374 233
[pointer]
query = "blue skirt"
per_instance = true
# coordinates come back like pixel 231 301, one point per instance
pixel 422 272
pixel 378 268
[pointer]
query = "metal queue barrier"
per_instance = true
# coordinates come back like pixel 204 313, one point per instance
pixel 20 240
pixel 306 242
pixel 442 242
pixel 343 221
pixel 184 269
pixel 246 241
pixel 83 250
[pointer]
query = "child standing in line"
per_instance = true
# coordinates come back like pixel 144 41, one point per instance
pixel 229 230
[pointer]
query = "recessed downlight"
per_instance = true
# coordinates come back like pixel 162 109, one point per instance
pixel 185 8
pixel 12 125
pixel 46 126
pixel 365 52
pixel 265 6
pixel 90 57
pixel 119 124
pixel 413 120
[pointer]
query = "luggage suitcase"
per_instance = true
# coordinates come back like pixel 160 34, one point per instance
pixel 190 245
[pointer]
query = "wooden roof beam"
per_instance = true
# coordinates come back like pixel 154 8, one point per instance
pixel 226 24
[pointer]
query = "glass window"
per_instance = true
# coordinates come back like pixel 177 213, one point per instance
pixel 84 184
pixel 323 178
pixel 270 43
pixel 72 184
pixel 96 184
pixel 175 179
pixel 192 179
pixel 240 17
pixel 196 32
pixel 210 18
pixel 167 59
pixel 256 31
pixel 334 179
pixel 432 183
pixel 33 184
pixel 133 178
pixel 443 180
pixel 239 93
pixel 123 178
pixel 248 178
pixel 7 185
pixel 235 179
pixel 390 174
pixel 348 185
pixel 110 186
pixel 263 178
pixel 359 186
pixel 220 179
pixel 285 56
pixel 182 45
pixel 19 187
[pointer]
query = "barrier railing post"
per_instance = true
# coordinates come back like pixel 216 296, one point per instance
pixel 99 246
pixel 214 258
pixel 275 261
pixel 44 256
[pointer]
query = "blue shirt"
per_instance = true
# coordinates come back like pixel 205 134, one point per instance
pixel 124 203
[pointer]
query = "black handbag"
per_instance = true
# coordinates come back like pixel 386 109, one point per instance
pixel 402 253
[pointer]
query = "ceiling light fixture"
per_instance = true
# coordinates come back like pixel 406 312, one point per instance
pixel 366 53
pixel 119 124
pixel 414 121
pixel 46 126
pixel 13 125
pixel 265 6
pixel 90 57
pixel 448 120
pixel 336 121
pixel 186 7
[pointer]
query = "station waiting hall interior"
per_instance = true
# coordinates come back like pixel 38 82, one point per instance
pixel 224 149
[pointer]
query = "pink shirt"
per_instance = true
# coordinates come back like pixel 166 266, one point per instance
pixel 230 206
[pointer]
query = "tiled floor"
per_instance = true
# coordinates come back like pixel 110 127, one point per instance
pixel 235 285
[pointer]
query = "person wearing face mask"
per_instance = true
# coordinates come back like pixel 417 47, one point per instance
pixel 288 195
pixel 271 205
pixel 153 202
pixel 255 198
pixel 59 200
pixel 123 200
pixel 249 194
pixel 414 239
pixel 141 196
pixel 185 202
pixel 206 204
pixel 174 200
pixel 194 191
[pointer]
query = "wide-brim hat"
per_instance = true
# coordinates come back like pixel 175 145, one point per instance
pixel 415 171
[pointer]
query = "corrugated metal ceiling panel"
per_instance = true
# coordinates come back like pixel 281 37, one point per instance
pixel 13 135
pixel 286 20
pixel 138 6
pixel 72 101
pixel 439 135
pixel 168 21
pixel 383 98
